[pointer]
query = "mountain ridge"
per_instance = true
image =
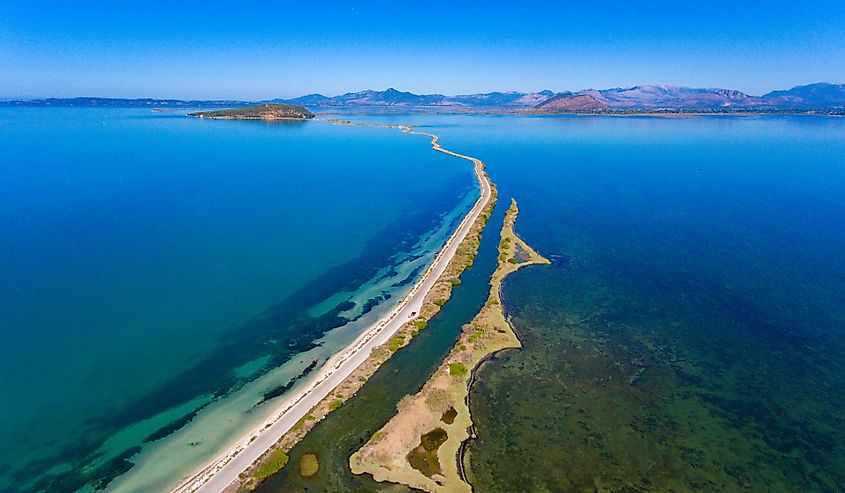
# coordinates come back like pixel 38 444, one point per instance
pixel 818 96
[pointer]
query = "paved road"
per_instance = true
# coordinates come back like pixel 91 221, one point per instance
pixel 341 365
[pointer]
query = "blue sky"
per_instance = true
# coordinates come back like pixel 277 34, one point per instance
pixel 253 50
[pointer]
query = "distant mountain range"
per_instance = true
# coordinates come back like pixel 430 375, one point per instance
pixel 392 97
pixel 814 97
pixel 820 96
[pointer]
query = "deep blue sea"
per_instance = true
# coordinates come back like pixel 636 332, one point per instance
pixel 689 335
pixel 165 278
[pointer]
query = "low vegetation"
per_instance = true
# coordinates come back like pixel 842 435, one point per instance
pixel 396 342
pixel 308 465
pixel 439 400
pixel 457 369
pixel 277 461
pixel 259 112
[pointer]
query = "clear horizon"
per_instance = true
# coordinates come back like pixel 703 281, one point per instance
pixel 264 51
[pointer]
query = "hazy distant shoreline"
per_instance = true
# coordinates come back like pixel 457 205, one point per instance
pixel 820 97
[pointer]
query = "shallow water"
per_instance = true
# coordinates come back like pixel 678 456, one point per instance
pixel 159 270
pixel 690 335
pixel 345 430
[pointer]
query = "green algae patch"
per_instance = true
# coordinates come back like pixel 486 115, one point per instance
pixel 424 457
pixel 308 465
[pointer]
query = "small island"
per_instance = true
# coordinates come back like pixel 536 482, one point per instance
pixel 259 112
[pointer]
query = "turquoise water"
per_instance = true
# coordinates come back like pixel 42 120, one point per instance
pixel 345 430
pixel 690 334
pixel 158 270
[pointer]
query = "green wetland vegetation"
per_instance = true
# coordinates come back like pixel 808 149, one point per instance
pixel 424 457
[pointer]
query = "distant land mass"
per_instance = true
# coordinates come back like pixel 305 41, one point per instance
pixel 819 97
pixel 269 111
pixel 127 102
pixel 393 97
pixel 572 102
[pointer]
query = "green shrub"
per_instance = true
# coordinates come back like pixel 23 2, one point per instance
pixel 438 400
pixel 458 369
pixel 456 282
pixel 278 460
pixel 419 323
pixel 396 342
pixel 335 404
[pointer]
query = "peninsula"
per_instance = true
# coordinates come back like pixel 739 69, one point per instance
pixel 421 446
pixel 262 452
pixel 270 111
